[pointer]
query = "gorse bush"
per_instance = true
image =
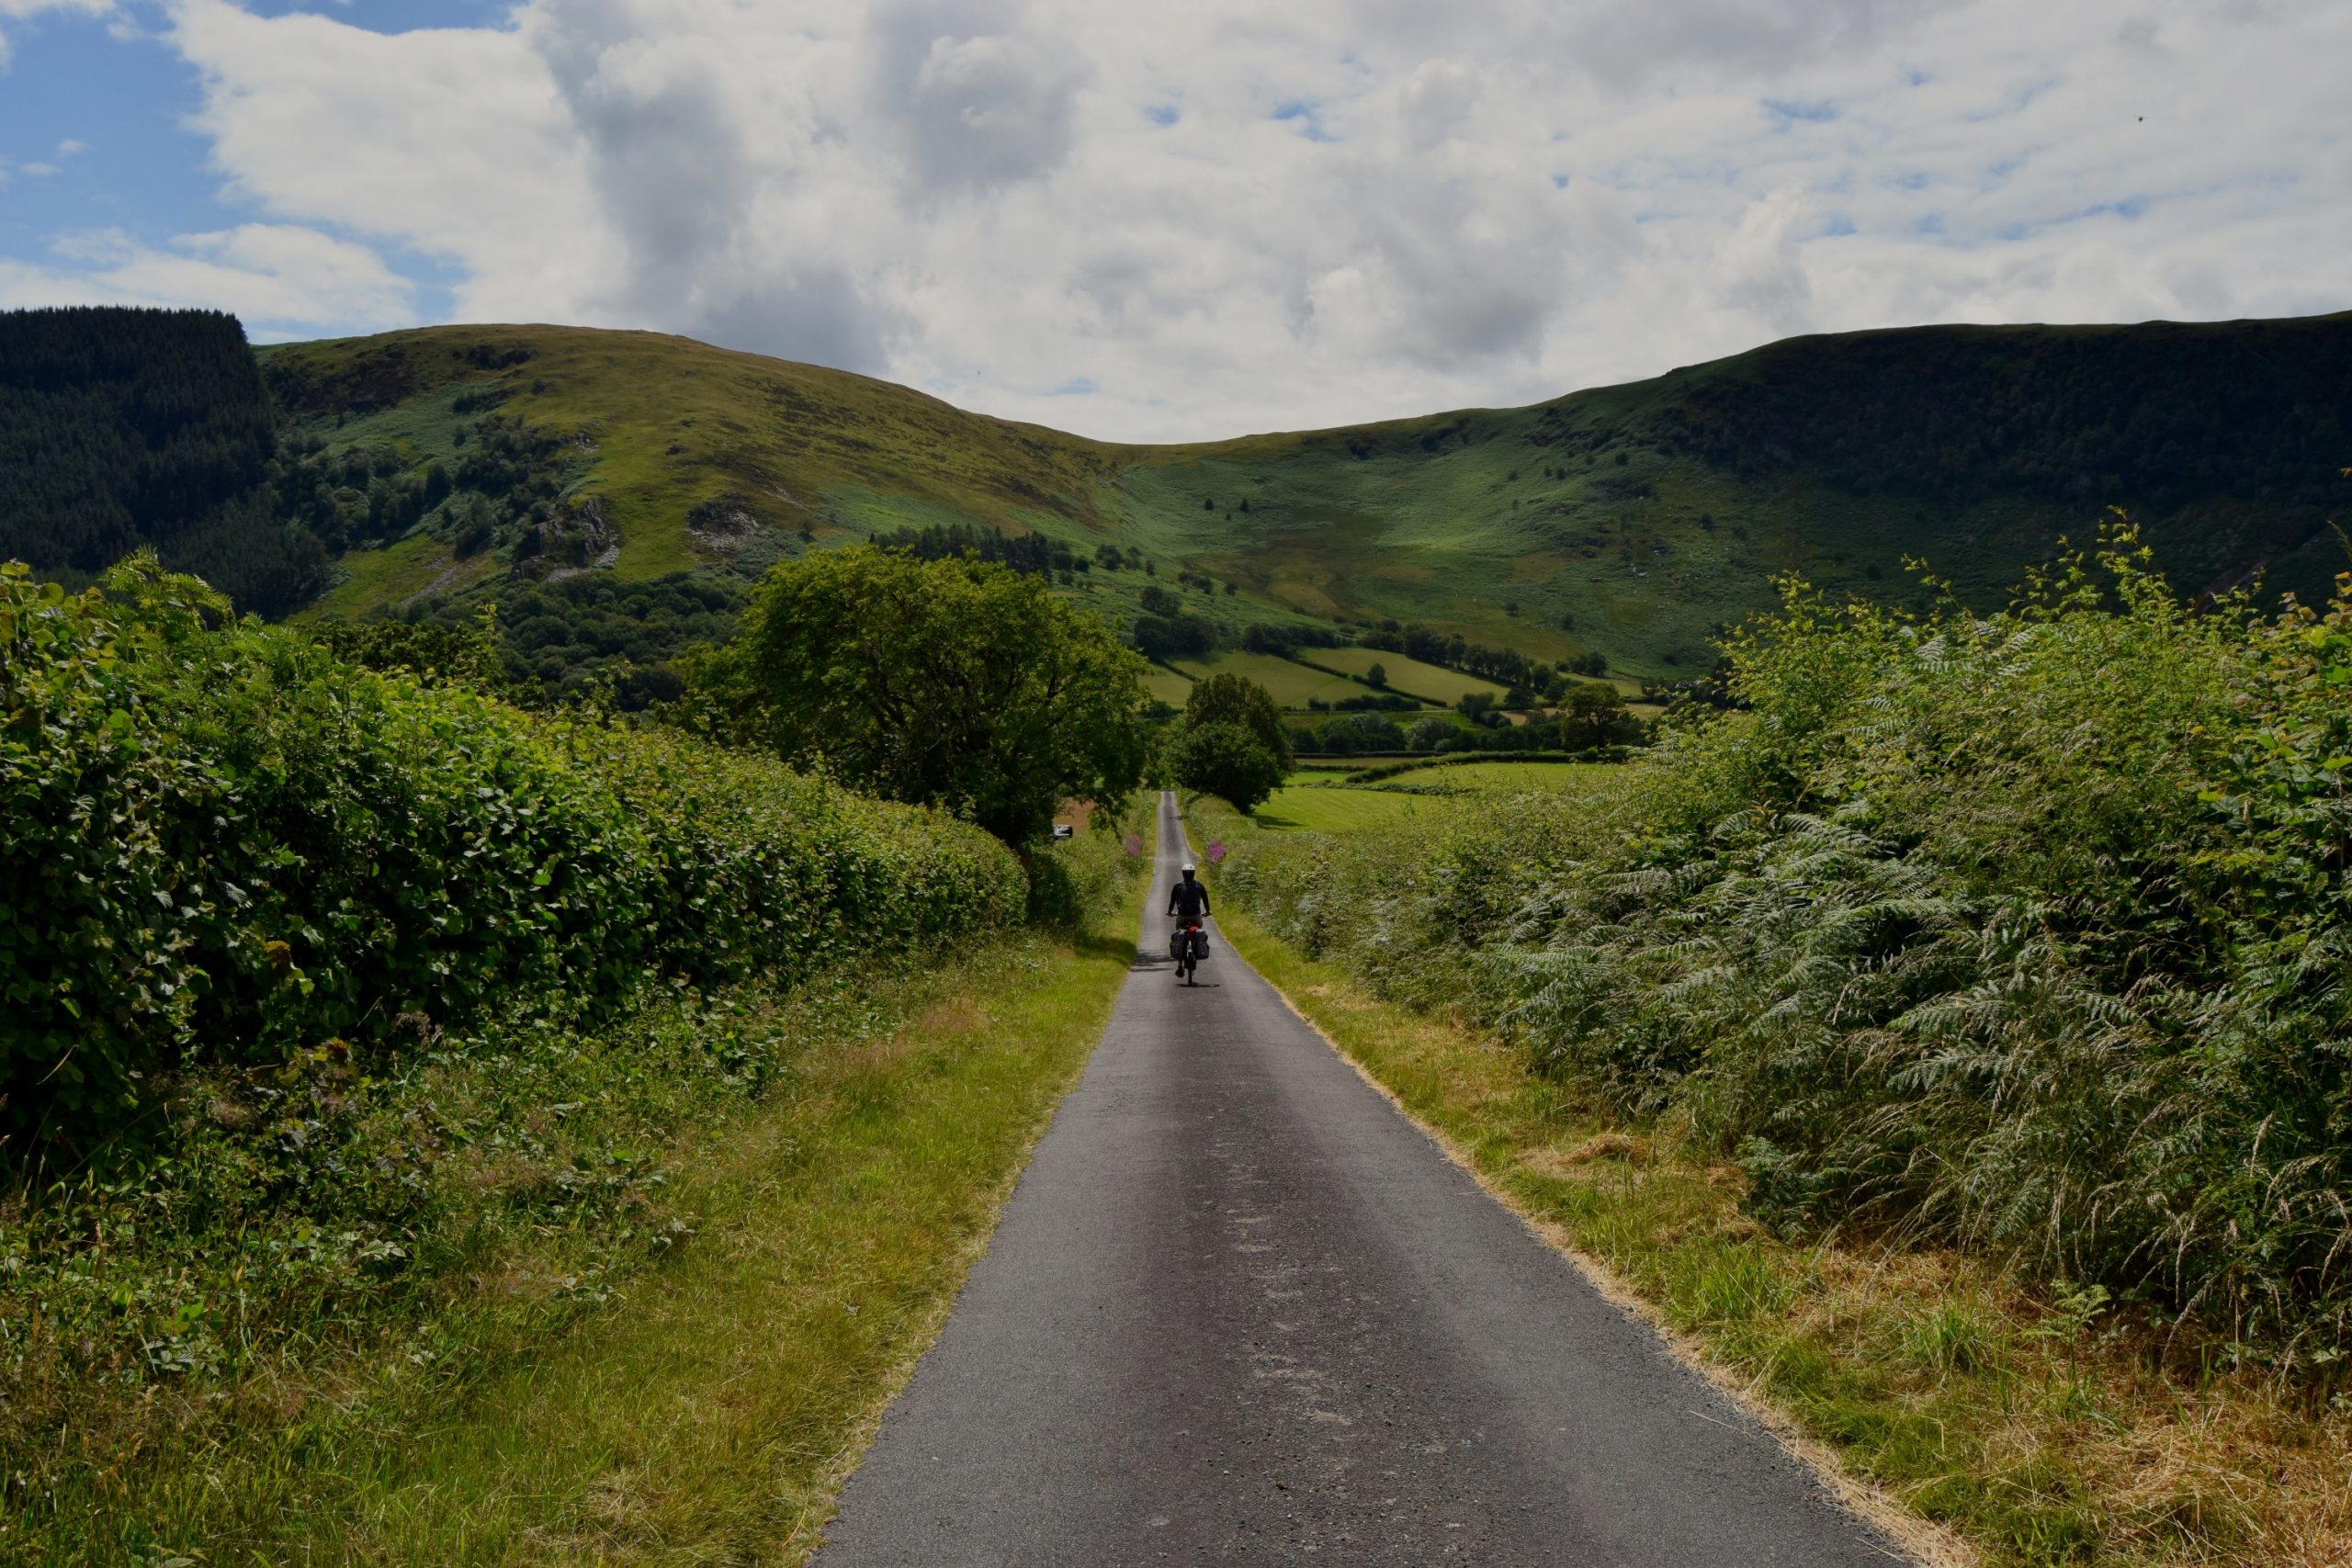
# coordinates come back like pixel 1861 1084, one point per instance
pixel 219 842
pixel 2027 932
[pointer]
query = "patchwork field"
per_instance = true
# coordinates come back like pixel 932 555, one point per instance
pixel 1410 676
pixel 1293 684
pixel 1169 686
pixel 1492 778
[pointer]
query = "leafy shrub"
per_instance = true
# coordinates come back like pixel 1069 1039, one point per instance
pixel 220 840
pixel 2027 932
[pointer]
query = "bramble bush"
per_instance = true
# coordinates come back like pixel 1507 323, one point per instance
pixel 222 844
pixel 2028 932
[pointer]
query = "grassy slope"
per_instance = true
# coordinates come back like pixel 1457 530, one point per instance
pixel 1326 803
pixel 1635 545
pixel 1332 808
pixel 1294 683
pixel 1928 1376
pixel 1410 676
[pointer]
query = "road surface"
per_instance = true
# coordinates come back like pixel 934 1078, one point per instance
pixel 1240 1310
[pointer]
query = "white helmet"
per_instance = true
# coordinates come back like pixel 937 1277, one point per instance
pixel 1187 868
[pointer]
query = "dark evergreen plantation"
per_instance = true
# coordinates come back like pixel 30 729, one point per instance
pixel 120 428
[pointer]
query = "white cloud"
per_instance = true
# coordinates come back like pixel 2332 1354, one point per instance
pixel 1225 215
pixel 975 100
pixel 282 281
pixel 452 143
pixel 23 10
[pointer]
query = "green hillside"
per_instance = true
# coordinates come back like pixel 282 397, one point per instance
pixel 615 493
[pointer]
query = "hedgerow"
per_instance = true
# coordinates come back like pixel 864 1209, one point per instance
pixel 2027 932
pixel 222 844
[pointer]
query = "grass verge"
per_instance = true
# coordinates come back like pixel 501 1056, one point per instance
pixel 2031 1432
pixel 702 1409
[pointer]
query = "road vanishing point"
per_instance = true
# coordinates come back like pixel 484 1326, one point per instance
pixel 1240 1309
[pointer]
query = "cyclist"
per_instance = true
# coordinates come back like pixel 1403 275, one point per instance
pixel 1188 901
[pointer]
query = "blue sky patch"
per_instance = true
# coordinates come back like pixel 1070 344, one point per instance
pixel 1306 115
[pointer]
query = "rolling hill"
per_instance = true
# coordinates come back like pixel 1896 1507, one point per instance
pixel 616 491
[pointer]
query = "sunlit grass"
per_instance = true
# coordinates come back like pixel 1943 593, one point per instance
pixel 1410 676
pixel 1335 809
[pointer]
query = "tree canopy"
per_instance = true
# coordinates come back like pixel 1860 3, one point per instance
pixel 1593 715
pixel 1238 700
pixel 120 428
pixel 1225 760
pixel 960 683
pixel 1232 741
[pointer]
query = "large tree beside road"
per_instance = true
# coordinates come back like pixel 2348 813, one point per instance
pixel 958 683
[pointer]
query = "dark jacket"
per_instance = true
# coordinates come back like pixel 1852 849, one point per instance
pixel 1188 898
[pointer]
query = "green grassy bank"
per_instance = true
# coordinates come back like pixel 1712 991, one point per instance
pixel 684 1301
pixel 1978 1420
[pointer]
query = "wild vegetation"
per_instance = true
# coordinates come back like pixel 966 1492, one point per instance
pixel 2023 932
pixel 356 1020
pixel 223 840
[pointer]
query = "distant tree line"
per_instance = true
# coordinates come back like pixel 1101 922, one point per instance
pixel 1034 554
pixel 1284 639
pixel 1591 719
pixel 124 427
pixel 2086 416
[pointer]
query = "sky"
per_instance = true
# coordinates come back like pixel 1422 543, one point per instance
pixel 1172 222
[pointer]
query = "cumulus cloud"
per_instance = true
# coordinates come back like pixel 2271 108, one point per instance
pixel 1224 217
pixel 975 100
pixel 282 281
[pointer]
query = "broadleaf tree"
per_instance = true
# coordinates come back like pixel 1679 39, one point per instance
pixel 1238 700
pixel 1231 741
pixel 959 684
pixel 1225 760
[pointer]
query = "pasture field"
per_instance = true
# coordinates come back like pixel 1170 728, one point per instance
pixel 1338 808
pixel 1293 685
pixel 1410 676
pixel 1169 686
pixel 1318 801
pixel 1504 778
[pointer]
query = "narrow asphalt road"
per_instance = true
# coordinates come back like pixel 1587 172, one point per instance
pixel 1240 1310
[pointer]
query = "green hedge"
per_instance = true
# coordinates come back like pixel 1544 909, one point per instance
pixel 217 838
pixel 2030 932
